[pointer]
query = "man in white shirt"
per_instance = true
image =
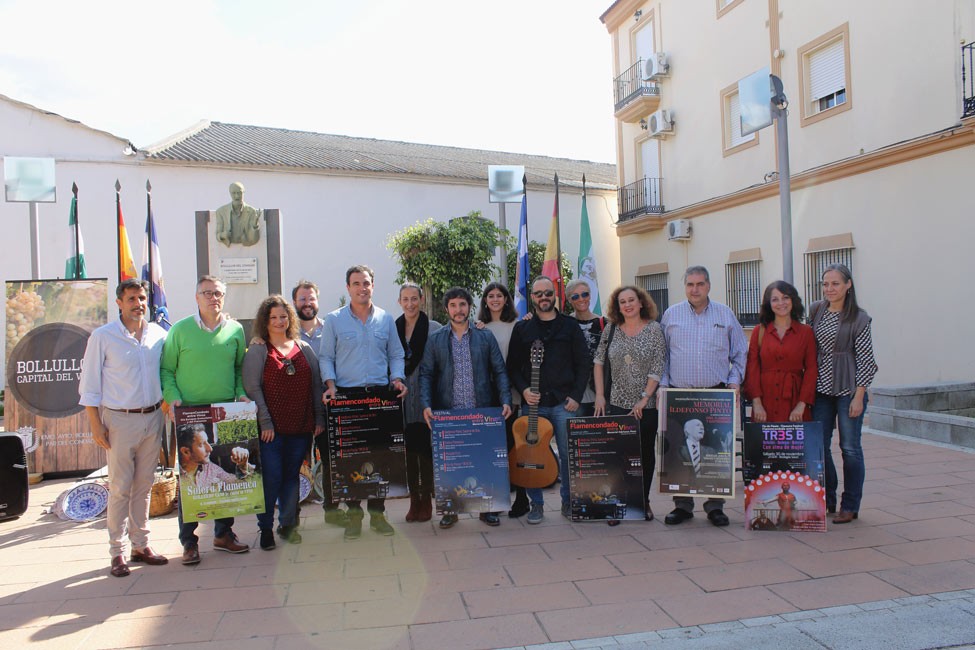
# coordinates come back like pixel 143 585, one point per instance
pixel 121 393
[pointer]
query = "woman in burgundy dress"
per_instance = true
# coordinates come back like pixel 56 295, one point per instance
pixel 282 377
pixel 780 377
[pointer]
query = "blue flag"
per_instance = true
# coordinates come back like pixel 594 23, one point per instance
pixel 150 256
pixel 521 268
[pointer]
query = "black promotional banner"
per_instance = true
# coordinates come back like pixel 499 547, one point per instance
pixel 470 461
pixel 782 446
pixel 697 436
pixel 367 456
pixel 605 471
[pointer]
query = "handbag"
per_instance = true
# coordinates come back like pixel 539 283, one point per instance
pixel 607 368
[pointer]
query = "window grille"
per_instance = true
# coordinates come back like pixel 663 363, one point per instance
pixel 656 285
pixel 815 263
pixel 744 286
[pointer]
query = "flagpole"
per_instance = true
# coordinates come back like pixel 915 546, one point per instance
pixel 118 231
pixel 558 246
pixel 77 257
pixel 149 229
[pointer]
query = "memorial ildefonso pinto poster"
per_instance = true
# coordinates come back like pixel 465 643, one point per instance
pixel 48 325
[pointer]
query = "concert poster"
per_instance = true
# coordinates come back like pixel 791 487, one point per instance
pixel 219 454
pixel 785 501
pixel 783 446
pixel 605 470
pixel 697 439
pixel 367 453
pixel 470 461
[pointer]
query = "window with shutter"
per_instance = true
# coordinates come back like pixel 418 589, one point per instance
pixel 733 140
pixel 824 75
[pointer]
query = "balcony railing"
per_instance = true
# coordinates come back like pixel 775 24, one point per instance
pixel 640 198
pixel 630 85
pixel 968 80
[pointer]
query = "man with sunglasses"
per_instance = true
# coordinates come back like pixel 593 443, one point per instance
pixel 201 364
pixel 563 376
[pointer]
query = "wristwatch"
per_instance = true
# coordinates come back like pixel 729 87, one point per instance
pixel 644 394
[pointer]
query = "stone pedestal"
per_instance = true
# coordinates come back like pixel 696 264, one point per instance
pixel 250 272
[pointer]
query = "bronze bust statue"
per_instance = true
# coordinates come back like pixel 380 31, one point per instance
pixel 237 222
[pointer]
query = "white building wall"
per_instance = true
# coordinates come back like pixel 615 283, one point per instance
pixel 330 222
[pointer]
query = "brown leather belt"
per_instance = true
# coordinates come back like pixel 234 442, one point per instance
pixel 147 409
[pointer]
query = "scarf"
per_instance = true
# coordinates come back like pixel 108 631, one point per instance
pixel 414 348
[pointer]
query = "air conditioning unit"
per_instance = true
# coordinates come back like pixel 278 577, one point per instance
pixel 678 229
pixel 660 124
pixel 657 67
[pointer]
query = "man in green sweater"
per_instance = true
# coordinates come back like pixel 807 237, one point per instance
pixel 201 364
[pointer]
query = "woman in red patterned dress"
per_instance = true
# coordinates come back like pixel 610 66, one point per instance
pixel 780 377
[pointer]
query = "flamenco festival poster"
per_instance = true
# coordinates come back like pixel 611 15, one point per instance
pixel 785 501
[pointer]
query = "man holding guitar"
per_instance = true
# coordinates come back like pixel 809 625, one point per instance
pixel 462 368
pixel 552 379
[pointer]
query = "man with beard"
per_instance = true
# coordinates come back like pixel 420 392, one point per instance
pixel 563 376
pixel 463 368
pixel 361 353
pixel 305 299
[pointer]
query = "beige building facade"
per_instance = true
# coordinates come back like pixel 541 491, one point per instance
pixel 882 155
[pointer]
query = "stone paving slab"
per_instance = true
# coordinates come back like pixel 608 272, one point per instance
pixel 898 577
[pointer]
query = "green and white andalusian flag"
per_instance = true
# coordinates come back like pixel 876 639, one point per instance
pixel 586 269
pixel 74 265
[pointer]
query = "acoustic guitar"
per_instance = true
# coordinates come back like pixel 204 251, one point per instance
pixel 531 462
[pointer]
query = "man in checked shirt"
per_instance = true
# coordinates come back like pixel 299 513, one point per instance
pixel 706 348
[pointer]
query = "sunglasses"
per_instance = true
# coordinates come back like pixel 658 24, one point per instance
pixel 289 367
pixel 209 295
pixel 548 293
pixel 576 296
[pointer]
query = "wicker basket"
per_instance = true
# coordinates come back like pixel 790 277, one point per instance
pixel 163 495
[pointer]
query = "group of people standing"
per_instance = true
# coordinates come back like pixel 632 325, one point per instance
pixel 297 361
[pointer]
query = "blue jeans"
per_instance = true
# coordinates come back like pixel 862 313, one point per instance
pixel 835 411
pixel 558 416
pixel 280 461
pixel 187 529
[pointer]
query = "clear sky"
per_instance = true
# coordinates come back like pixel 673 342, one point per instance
pixel 530 76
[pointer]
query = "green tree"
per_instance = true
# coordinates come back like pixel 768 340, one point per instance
pixel 438 255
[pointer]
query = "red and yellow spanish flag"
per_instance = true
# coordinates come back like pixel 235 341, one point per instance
pixel 126 265
pixel 551 266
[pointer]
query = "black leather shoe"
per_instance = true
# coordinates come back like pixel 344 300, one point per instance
pixel 718 518
pixel 490 518
pixel 267 539
pixel 448 521
pixel 677 516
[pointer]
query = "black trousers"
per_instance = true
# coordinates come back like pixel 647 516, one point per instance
pixel 419 459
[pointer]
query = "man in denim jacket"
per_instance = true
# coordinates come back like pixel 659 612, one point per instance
pixel 462 368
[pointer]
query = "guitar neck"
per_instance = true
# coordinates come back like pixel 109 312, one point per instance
pixel 533 408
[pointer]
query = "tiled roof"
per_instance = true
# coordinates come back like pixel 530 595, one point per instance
pixel 237 144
